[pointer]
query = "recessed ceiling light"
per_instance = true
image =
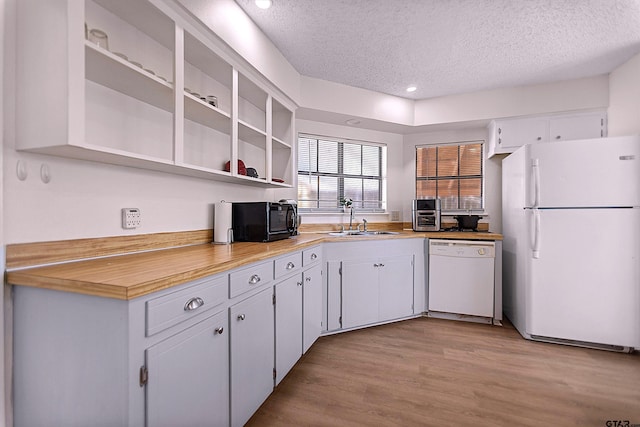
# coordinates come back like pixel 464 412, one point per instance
pixel 263 4
pixel 353 122
pixel 411 88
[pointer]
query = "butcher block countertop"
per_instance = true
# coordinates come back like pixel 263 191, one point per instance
pixel 134 275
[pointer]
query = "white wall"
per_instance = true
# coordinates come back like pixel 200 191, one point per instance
pixel 323 95
pixel 624 99
pixel 587 93
pixel 492 171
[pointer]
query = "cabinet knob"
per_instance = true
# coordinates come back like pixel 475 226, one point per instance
pixel 254 279
pixel 241 317
pixel 558 136
pixel 308 279
pixel 539 138
pixel 193 304
pixel 290 265
pixel 219 330
pixel 299 283
pixel 314 256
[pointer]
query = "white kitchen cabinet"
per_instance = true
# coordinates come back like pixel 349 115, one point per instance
pixel 511 134
pixel 138 103
pixel 189 385
pixel 252 354
pixel 507 135
pixel 312 306
pixel 364 287
pixel 583 126
pixel 360 293
pixel 288 312
pixel 395 287
pixel 376 290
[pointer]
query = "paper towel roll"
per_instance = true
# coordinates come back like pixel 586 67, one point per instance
pixel 222 223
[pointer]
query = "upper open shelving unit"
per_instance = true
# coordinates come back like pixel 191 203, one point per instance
pixel 164 94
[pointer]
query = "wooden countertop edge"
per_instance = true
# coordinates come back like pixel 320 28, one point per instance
pixel 42 277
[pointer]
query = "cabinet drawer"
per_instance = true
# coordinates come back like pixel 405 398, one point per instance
pixel 311 256
pixel 249 278
pixel 288 264
pixel 169 310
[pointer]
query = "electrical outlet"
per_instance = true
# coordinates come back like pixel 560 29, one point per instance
pixel 131 218
pixel 395 216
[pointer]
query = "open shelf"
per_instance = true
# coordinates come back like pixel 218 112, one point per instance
pixel 206 73
pixel 252 104
pixel 282 161
pixel 206 114
pixel 96 104
pixel 107 69
pixel 282 122
pixel 251 134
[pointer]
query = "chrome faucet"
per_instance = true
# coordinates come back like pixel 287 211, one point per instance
pixel 351 218
pixel 364 223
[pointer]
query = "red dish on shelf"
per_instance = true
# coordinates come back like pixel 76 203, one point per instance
pixel 277 180
pixel 242 169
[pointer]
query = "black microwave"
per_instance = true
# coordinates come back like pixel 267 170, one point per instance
pixel 263 221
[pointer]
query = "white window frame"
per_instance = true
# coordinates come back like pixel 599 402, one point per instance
pixel 382 178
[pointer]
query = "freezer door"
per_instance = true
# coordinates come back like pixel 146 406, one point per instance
pixel 601 172
pixel 584 284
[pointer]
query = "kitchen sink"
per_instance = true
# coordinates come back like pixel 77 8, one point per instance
pixel 361 233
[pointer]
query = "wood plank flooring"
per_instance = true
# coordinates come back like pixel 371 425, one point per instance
pixel 433 372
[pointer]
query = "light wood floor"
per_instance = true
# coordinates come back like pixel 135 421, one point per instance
pixel 432 372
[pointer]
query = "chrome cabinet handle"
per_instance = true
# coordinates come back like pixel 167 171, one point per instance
pixel 299 283
pixel 241 317
pixel 193 304
pixel 308 279
pixel 539 138
pixel 314 256
pixel 378 265
pixel 558 136
pixel 254 279
pixel 219 330
pixel 290 265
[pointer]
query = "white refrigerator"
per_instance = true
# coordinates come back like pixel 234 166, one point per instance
pixel 571 249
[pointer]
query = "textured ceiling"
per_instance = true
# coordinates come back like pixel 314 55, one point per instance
pixel 450 46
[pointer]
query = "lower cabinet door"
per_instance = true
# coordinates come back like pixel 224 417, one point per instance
pixel 288 325
pixel 188 382
pixel 252 354
pixel 312 306
pixel 396 287
pixel 359 293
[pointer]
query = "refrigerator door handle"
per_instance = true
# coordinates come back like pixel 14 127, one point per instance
pixel 535 183
pixel 536 234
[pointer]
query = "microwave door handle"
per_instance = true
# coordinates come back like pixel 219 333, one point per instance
pixel 291 213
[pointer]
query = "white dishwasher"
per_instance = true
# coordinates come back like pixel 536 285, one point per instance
pixel 461 277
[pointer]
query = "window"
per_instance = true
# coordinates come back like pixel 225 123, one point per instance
pixel 330 169
pixel 452 172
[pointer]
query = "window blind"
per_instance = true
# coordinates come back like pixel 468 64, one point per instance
pixel 452 172
pixel 332 169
